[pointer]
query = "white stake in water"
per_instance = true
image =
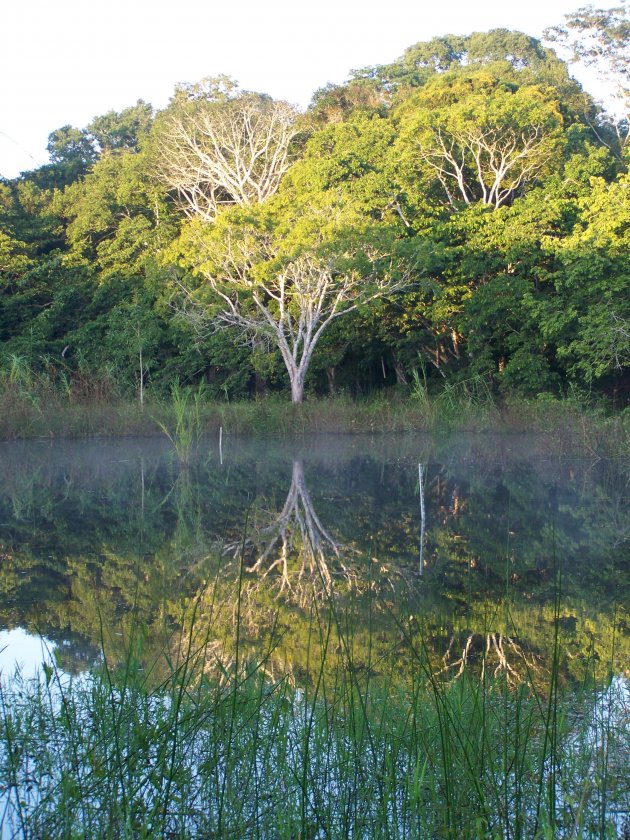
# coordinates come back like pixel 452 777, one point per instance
pixel 422 516
pixel 221 444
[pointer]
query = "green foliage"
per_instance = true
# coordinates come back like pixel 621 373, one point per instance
pixel 481 139
pixel 14 260
pixel 116 217
pixel 122 130
pixel 71 154
pixel 513 57
pixel 593 330
pixel 473 167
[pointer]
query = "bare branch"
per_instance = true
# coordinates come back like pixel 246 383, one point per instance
pixel 298 527
pixel 497 161
pixel 232 152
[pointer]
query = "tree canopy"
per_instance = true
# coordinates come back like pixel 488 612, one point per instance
pixel 465 208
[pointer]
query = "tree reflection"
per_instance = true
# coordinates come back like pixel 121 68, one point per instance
pixel 91 539
pixel 297 530
pixel 490 653
pixel 294 548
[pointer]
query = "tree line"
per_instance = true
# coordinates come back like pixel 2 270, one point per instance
pixel 461 213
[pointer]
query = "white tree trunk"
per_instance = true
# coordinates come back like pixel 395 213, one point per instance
pixel 297 389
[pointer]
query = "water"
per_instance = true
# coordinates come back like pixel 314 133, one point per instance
pixel 360 571
pixel 93 533
pixel 22 652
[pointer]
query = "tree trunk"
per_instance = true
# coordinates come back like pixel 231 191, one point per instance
pixel 330 375
pixel 297 390
pixel 401 379
pixel 259 383
pixel 297 374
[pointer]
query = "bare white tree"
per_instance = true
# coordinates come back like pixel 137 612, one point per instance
pixel 487 144
pixel 223 152
pixel 496 653
pixel 491 162
pixel 292 304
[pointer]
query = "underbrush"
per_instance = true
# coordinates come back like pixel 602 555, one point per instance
pixel 37 406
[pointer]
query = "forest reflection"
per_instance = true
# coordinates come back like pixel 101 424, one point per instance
pixel 290 547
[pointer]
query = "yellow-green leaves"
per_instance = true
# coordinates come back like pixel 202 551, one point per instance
pixel 480 139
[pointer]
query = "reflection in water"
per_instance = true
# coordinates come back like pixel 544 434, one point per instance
pixel 494 653
pixel 422 518
pixel 19 651
pixel 93 534
pixel 297 529
pixel 264 570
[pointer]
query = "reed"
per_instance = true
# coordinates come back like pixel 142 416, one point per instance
pixel 192 746
pixel 185 427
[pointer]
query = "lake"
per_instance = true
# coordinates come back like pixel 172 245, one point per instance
pixel 400 560
pixel 91 531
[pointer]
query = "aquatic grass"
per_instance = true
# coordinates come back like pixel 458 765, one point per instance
pixel 465 403
pixel 205 740
pixel 250 757
pixel 45 398
pixel 186 426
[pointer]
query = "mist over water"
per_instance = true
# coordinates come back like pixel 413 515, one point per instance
pixel 93 532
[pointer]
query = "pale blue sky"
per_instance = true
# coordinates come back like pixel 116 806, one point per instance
pixel 68 61
pixel 19 649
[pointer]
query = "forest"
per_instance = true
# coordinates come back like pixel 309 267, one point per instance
pixel 459 215
pixel 282 634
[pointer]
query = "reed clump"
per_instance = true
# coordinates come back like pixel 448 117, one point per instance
pixel 197 746
pixel 185 427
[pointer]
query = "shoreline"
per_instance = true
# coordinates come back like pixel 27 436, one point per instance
pixel 570 425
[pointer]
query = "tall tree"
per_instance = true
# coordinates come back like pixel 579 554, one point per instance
pixel 122 130
pixel 600 38
pixel 288 298
pixel 72 152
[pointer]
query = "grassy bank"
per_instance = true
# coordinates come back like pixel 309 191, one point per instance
pixel 190 748
pixel 30 411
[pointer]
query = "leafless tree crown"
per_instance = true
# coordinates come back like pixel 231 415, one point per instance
pixel 230 152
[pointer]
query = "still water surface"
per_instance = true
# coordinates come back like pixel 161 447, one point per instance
pixel 479 540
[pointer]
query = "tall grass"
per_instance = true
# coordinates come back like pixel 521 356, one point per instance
pixel 186 426
pixel 49 401
pixel 199 745
pixel 467 402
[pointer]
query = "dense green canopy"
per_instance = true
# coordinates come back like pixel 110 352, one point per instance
pixel 475 194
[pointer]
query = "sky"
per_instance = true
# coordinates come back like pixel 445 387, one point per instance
pixel 69 61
